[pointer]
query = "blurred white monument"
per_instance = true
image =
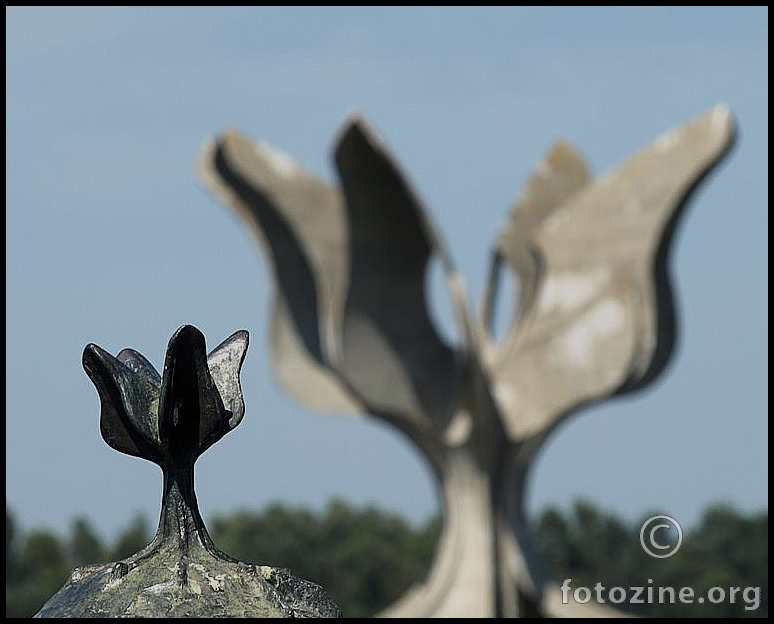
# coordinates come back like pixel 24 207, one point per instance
pixel 351 330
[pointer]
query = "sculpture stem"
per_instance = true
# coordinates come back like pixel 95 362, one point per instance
pixel 180 521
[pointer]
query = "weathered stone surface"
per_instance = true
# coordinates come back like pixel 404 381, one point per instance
pixel 351 332
pixel 210 587
pixel 171 420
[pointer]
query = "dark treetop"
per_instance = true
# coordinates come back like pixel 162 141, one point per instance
pixel 171 419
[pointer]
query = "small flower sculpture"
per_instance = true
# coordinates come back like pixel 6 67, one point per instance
pixel 351 331
pixel 170 420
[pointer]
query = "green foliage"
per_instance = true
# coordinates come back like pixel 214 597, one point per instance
pixel 366 558
pixel 363 558
pixel 38 564
pixel 134 538
pixel 85 545
pixel 726 550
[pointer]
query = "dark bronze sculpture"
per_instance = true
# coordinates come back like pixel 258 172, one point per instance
pixel 351 331
pixel 170 420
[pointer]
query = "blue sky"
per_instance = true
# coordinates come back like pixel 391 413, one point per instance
pixel 111 239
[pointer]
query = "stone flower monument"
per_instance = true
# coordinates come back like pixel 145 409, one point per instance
pixel 171 419
pixel 351 332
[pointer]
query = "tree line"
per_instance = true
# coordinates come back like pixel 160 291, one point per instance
pixel 365 558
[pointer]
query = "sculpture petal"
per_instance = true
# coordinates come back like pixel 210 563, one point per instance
pixel 128 410
pixel 139 365
pixel 392 356
pixel 602 319
pixel 225 364
pixel 299 221
pixel 190 408
pixel 561 173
